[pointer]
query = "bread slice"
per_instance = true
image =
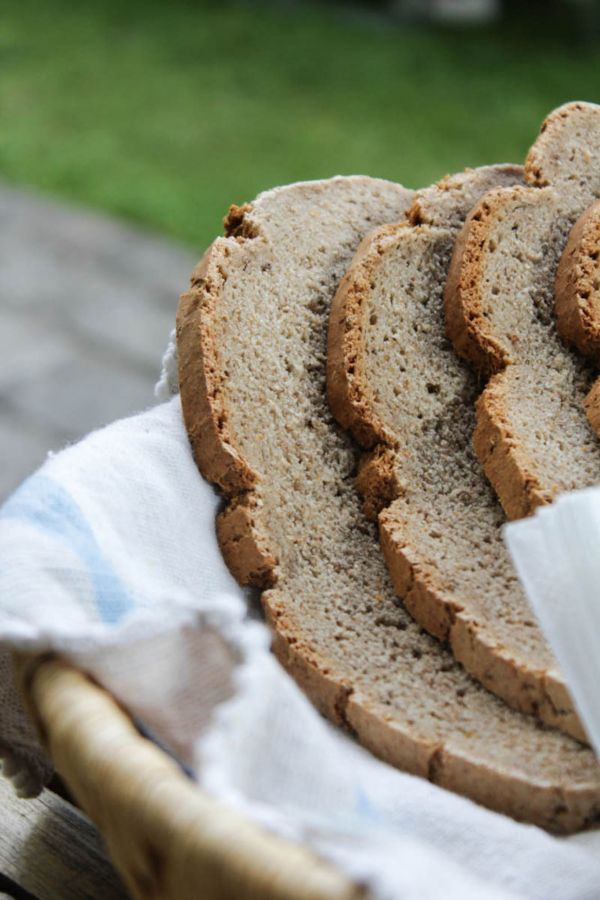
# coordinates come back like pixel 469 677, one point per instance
pixel 531 436
pixel 577 286
pixel 394 380
pixel 252 349
pixel 577 292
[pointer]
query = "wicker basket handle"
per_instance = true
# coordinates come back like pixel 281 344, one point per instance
pixel 166 837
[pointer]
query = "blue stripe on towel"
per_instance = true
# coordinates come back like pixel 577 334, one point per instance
pixel 46 505
pixel 363 806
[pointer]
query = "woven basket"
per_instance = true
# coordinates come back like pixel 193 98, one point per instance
pixel 165 836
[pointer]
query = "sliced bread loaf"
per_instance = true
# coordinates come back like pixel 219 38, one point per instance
pixel 531 436
pixel 252 349
pixel 394 380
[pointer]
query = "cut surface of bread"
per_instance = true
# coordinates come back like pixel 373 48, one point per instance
pixel 252 353
pixel 531 436
pixel 396 382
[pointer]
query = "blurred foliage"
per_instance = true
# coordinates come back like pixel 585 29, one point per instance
pixel 166 112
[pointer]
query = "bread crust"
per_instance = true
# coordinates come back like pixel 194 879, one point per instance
pixel 243 542
pixel 466 324
pixel 242 539
pixel 203 401
pixel 428 601
pixel 576 289
pixel 426 208
pixel 542 156
pixel 505 461
pixel 510 469
pixel 347 392
pixel 513 472
pixel 577 292
pixel 220 460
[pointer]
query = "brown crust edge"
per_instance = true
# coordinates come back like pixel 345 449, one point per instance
pixel 201 382
pixel 574 286
pixel 466 325
pixel 243 544
pixel 540 804
pixel 242 539
pixel 348 395
pixel 508 467
pixel 511 471
pixel 418 213
pixel 554 121
pixel 525 689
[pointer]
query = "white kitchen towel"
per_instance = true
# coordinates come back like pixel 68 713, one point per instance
pixel 108 554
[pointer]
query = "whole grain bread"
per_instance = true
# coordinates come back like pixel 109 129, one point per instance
pixel 577 285
pixel 394 380
pixel 252 350
pixel 531 436
pixel 577 291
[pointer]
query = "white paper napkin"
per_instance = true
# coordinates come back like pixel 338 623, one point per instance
pixel 557 555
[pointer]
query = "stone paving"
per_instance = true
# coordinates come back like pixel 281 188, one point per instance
pixel 86 307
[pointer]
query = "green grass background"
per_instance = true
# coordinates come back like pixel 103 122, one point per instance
pixel 167 112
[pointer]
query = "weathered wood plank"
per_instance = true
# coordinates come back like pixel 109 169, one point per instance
pixel 50 849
